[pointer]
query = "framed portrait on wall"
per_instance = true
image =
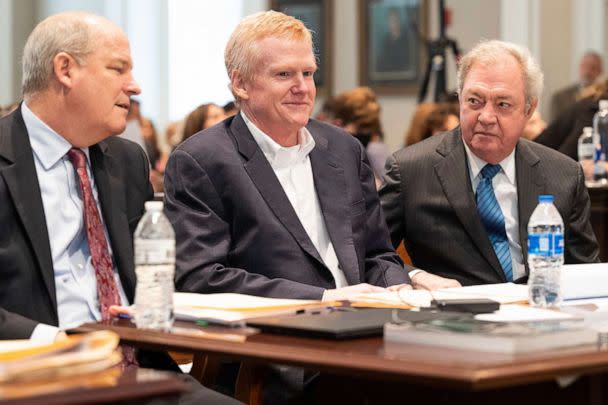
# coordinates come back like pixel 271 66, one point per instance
pixel 392 44
pixel 317 16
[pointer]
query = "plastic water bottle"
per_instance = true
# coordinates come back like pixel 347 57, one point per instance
pixel 600 133
pixel 155 269
pixel 545 254
pixel 586 152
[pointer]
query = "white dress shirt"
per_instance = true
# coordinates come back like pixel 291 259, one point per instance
pixel 292 167
pixel 505 189
pixel 75 282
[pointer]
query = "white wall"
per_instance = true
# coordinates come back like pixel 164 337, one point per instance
pixel 6 38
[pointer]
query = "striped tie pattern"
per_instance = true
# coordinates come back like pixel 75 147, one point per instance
pixel 493 219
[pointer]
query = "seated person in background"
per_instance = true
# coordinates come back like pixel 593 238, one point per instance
pixel 441 119
pixel 204 116
pixel 417 130
pixel 437 193
pixel 271 203
pixel 589 71
pixel 534 126
pixel 562 134
pixel 71 192
pixel 358 112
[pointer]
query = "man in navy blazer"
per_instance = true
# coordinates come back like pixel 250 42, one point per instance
pixel 269 202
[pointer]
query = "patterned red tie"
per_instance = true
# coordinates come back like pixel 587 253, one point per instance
pixel 107 290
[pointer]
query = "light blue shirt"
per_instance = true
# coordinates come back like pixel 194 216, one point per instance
pixel 75 282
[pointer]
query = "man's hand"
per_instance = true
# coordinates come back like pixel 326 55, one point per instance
pixel 428 281
pixel 60 336
pixel 345 293
pixel 398 287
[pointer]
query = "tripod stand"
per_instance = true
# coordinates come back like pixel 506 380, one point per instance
pixel 436 54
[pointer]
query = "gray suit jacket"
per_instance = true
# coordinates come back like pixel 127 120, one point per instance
pixel 236 230
pixel 429 202
pixel 27 283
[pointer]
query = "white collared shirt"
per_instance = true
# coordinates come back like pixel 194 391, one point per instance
pixel 505 189
pixel 75 281
pixel 293 170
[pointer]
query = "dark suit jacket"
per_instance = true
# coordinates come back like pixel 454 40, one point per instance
pixel 429 202
pixel 562 134
pixel 27 286
pixel 236 230
pixel 562 99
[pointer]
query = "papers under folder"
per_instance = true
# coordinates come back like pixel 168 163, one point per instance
pixel 504 293
pixel 234 309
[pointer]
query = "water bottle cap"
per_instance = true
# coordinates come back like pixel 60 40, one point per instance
pixel 154 205
pixel 546 198
pixel 603 104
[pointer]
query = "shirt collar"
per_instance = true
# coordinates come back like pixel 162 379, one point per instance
pixel 49 147
pixel 476 164
pixel 278 155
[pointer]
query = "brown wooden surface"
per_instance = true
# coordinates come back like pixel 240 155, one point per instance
pixel 599 218
pixel 372 358
pixel 107 387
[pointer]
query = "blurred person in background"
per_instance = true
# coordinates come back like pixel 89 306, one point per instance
pixel 417 129
pixel 562 133
pixel 535 125
pixel 441 119
pixel 358 112
pixel 202 117
pixel 589 72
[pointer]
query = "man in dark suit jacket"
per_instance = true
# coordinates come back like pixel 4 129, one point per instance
pixel 121 175
pixel 269 203
pixel 77 84
pixel 429 194
pixel 562 133
pixel 590 69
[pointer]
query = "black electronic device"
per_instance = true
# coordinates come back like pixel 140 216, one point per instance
pixel 469 305
pixel 340 324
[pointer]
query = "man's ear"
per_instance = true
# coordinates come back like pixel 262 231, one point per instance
pixel 531 108
pixel 239 86
pixel 63 68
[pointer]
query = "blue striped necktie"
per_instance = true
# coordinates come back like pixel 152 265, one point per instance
pixel 493 219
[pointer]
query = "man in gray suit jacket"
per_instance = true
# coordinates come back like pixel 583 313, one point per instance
pixel 269 202
pixel 432 194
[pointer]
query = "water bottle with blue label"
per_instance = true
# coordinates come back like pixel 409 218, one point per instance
pixel 545 254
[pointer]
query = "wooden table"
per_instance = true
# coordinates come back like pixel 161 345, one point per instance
pixel 107 387
pixel 370 363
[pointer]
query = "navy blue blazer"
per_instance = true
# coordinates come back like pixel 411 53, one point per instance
pixel 236 230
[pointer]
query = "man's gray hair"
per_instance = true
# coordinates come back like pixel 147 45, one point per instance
pixel 66 32
pixel 491 53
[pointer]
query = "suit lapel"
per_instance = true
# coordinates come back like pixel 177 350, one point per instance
pixel 331 191
pixel 22 182
pixel 530 184
pixel 259 170
pixel 111 194
pixel 453 174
